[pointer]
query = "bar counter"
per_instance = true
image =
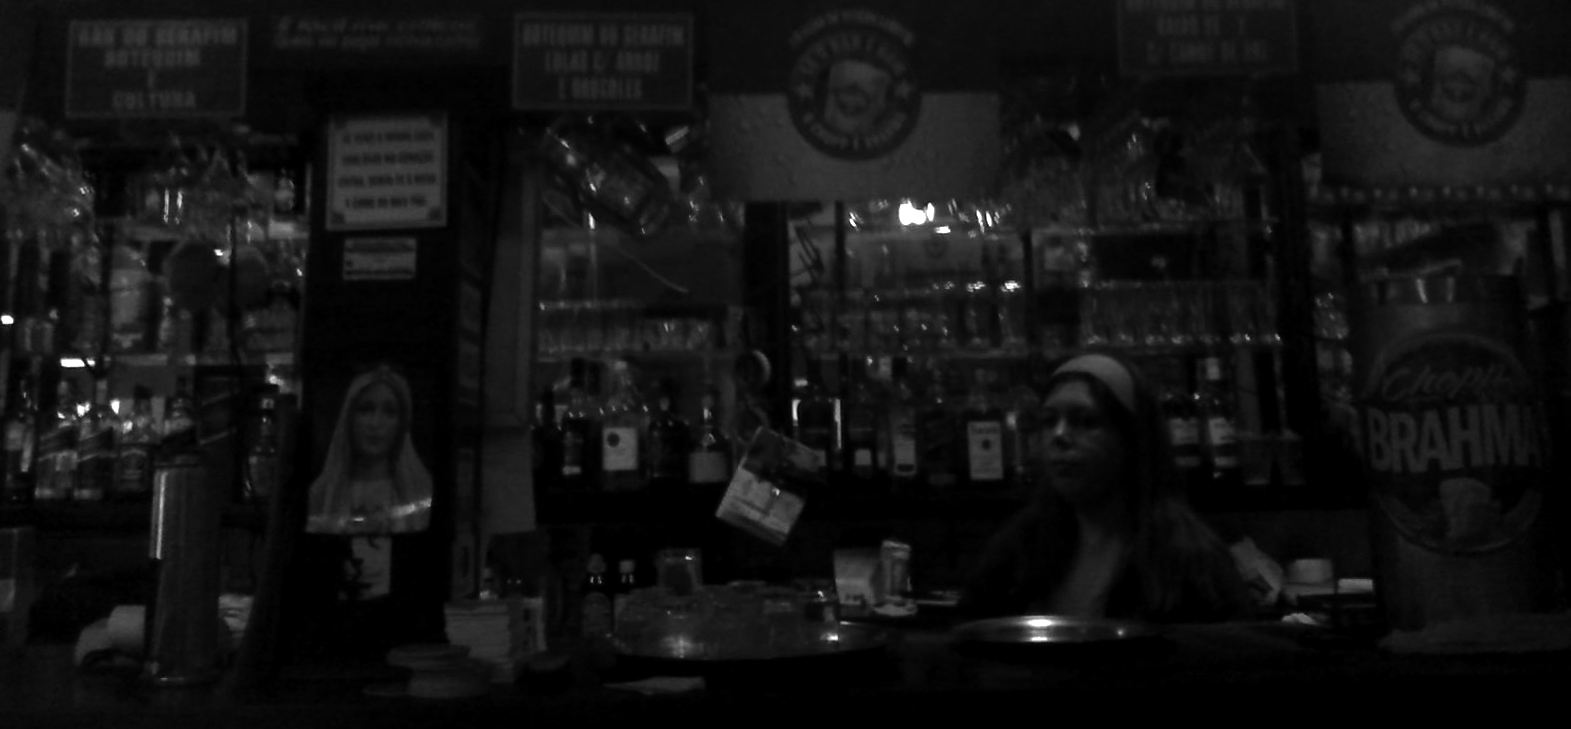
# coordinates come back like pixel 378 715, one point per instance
pixel 1258 671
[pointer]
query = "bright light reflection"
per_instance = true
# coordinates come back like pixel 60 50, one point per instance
pixel 6 320
pixel 913 215
pixel 72 363
pixel 1038 623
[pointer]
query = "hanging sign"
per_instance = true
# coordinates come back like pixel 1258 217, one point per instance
pixel 155 68
pixel 1436 93
pixel 863 101
pixel 1207 37
pixel 387 172
pixel 602 61
pixel 376 40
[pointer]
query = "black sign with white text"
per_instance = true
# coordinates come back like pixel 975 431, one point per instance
pixel 1207 37
pixel 602 61
pixel 156 68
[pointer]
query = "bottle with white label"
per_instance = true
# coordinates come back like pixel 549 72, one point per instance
pixel 900 430
pixel 817 418
pixel 862 409
pixel 986 465
pixel 624 426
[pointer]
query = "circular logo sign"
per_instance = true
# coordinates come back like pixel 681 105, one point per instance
pixel 1454 443
pixel 852 93
pixel 1458 80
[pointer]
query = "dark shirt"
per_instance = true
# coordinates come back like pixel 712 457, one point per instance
pixel 1184 574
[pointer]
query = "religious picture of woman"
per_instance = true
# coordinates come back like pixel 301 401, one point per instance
pixel 372 481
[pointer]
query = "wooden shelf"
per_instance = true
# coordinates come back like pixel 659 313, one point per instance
pixel 850 502
pixel 111 518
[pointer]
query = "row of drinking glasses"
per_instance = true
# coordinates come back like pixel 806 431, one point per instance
pixel 591 327
pixel 942 317
pixel 1177 313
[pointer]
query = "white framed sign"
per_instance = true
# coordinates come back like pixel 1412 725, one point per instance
pixel 387 172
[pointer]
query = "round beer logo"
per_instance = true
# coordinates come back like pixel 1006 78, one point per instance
pixel 852 92
pixel 1454 443
pixel 1458 80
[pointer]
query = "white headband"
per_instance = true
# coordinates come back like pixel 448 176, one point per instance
pixel 1106 370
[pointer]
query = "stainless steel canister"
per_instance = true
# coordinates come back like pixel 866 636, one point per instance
pixel 183 622
pixel 1454 447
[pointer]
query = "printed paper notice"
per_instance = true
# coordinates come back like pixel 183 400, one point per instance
pixel 379 259
pixel 387 172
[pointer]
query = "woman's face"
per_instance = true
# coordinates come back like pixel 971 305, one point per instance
pixel 375 421
pixel 1087 455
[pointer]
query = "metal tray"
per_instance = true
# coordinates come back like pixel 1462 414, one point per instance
pixel 1032 630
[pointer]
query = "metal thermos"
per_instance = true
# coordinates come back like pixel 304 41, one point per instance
pixel 1455 448
pixel 183 625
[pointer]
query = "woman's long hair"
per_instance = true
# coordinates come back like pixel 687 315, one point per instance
pixel 412 485
pixel 1182 567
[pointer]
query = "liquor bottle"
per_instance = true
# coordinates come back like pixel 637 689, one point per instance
pixel 548 443
pixel 709 461
pixel 129 310
pixel 1215 404
pixel 1019 403
pixel 1182 411
pixel 580 432
pixel 596 602
pixel 816 417
pixel 135 450
pixel 179 427
pixel 21 438
pixel 626 583
pixel 862 411
pixel 95 445
pixel 986 464
pixel 900 429
pixel 57 449
pixel 668 446
pixel 938 434
pixel 624 426
pixel 263 470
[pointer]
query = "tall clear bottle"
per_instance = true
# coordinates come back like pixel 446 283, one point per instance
pixel 130 305
pixel 56 480
pixel 136 449
pixel 263 469
pixel 21 440
pixel 624 427
pixel 709 461
pixel 95 445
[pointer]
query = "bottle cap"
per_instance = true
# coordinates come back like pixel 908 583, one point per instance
pixel 596 563
pixel 626 565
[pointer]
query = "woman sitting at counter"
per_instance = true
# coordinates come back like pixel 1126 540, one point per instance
pixel 1109 533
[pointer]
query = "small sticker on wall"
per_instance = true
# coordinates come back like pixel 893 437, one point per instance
pixel 379 259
